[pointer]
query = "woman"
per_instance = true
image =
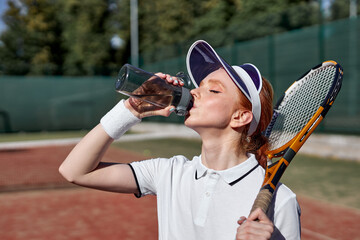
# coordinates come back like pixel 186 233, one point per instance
pixel 209 196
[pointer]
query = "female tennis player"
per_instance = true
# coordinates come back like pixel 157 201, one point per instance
pixel 210 196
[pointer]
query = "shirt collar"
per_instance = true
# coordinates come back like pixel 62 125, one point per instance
pixel 231 175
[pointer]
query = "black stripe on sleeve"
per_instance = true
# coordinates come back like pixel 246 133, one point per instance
pixel 137 183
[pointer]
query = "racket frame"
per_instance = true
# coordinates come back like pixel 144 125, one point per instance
pixel 287 152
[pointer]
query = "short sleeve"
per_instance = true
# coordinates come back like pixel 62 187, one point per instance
pixel 146 173
pixel 158 173
pixel 285 213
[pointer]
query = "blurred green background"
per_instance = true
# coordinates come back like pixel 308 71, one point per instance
pixel 59 59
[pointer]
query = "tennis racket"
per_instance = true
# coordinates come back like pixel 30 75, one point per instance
pixel 296 115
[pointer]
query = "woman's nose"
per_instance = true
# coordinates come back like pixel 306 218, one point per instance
pixel 194 92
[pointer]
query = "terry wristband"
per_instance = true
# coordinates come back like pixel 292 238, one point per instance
pixel 118 120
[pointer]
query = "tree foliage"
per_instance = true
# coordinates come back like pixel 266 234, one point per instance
pixel 58 37
pixel 77 37
pixel 85 36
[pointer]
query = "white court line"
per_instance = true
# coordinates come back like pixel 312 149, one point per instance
pixel 38 143
pixel 71 141
pixel 318 236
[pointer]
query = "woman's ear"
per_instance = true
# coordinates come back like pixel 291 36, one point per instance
pixel 241 118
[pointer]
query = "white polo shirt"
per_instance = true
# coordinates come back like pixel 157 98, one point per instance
pixel 194 202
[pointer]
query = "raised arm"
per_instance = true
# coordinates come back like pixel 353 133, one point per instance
pixel 83 165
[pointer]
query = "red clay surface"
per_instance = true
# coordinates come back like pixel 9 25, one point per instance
pixel 37 203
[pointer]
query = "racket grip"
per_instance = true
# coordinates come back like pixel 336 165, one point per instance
pixel 263 200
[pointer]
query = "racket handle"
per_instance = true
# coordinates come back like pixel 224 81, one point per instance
pixel 262 200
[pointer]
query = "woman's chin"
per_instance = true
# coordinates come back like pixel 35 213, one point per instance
pixel 188 121
pixel 191 123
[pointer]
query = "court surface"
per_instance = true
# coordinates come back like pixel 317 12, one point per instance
pixel 37 203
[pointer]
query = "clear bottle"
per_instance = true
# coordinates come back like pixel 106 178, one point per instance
pixel 152 91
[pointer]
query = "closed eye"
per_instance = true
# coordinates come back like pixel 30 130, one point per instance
pixel 214 91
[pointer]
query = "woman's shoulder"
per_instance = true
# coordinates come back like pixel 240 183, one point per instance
pixel 284 191
pixel 284 195
pixel 176 160
pixel 182 160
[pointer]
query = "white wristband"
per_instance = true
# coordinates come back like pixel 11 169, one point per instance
pixel 118 120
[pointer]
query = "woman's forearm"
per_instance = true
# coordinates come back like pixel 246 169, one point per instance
pixel 86 155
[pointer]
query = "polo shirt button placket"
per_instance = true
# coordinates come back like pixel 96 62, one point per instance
pixel 212 179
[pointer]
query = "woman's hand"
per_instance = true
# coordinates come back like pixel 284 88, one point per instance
pixel 143 109
pixel 257 226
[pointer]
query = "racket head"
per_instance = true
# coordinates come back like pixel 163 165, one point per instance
pixel 316 88
pixel 296 115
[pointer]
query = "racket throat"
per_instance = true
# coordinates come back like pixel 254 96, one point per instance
pixel 276 170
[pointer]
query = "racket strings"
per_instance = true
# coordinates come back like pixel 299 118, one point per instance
pixel 300 103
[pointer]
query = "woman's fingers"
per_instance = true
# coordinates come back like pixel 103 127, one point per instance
pixel 241 220
pixel 161 112
pixel 259 215
pixel 170 79
pixel 256 226
pixel 174 80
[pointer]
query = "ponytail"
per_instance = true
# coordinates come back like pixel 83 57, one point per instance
pixel 257 143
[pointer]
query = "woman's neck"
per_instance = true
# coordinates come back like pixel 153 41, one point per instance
pixel 221 151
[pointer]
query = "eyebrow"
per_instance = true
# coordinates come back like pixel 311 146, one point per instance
pixel 214 81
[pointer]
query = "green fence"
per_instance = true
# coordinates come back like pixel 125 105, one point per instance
pixel 283 58
pixel 62 103
pixel 54 103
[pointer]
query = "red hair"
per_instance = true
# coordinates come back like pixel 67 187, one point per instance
pixel 257 143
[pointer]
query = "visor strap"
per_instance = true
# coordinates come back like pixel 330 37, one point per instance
pixel 254 98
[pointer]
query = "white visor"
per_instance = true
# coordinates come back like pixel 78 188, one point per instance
pixel 202 60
